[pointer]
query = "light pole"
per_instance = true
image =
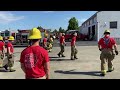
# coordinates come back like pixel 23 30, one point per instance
pixel 98 31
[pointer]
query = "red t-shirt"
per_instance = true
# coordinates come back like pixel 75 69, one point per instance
pixel 9 44
pixel 110 44
pixel 73 40
pixel 1 45
pixel 34 58
pixel 62 39
pixel 44 40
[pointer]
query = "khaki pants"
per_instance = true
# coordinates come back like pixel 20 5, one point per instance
pixel 44 77
pixel 10 60
pixel 62 49
pixel 74 52
pixel 107 55
pixel 49 47
pixel 1 58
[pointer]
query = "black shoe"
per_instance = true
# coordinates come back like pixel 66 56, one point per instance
pixel 72 59
pixel 102 74
pixel 58 55
pixel 110 70
pixel 6 67
pixel 76 58
pixel 63 56
pixel 12 70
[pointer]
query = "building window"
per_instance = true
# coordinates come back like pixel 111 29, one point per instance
pixel 7 34
pixel 113 24
pixel 2 34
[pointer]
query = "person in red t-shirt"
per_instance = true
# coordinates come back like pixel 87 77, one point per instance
pixel 10 57
pixel 34 59
pixel 62 44
pixel 106 45
pixel 73 47
pixel 2 51
pixel 45 41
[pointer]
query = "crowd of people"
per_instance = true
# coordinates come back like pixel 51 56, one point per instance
pixel 34 59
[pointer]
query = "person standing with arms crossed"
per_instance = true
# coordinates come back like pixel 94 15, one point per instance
pixel 34 59
pixel 62 45
pixel 106 45
pixel 73 47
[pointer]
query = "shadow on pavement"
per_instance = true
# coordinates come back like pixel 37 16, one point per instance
pixel 3 70
pixel 92 73
pixel 60 59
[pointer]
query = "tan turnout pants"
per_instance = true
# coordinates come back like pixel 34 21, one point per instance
pixel 107 55
pixel 1 58
pixel 10 60
pixel 74 52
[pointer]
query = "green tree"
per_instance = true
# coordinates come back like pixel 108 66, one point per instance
pixel 61 30
pixel 55 31
pixel 73 24
pixel 39 27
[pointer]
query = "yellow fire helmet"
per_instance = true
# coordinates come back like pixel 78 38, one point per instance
pixel 45 35
pixel 1 38
pixel 35 34
pixel 107 31
pixel 11 38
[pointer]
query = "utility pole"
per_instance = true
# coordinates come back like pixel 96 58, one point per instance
pixel 98 31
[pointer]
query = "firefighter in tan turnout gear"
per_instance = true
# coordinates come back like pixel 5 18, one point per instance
pixel 50 43
pixel 62 45
pixel 107 45
pixel 74 50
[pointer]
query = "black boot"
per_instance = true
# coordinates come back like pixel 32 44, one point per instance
pixel 63 56
pixel 102 74
pixel 58 54
pixel 11 70
pixel 111 70
pixel 76 58
pixel 6 67
pixel 72 59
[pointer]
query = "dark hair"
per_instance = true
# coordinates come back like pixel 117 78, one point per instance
pixel 34 40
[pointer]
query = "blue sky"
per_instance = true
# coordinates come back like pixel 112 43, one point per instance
pixel 47 19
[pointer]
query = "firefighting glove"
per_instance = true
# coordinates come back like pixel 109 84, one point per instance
pixel 116 52
pixel 100 49
pixel 65 44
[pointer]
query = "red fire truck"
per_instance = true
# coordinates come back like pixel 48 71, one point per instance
pixel 68 35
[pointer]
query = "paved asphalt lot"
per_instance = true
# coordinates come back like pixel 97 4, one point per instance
pixel 86 67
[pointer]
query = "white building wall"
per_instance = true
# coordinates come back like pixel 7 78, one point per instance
pixel 84 30
pixel 104 18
